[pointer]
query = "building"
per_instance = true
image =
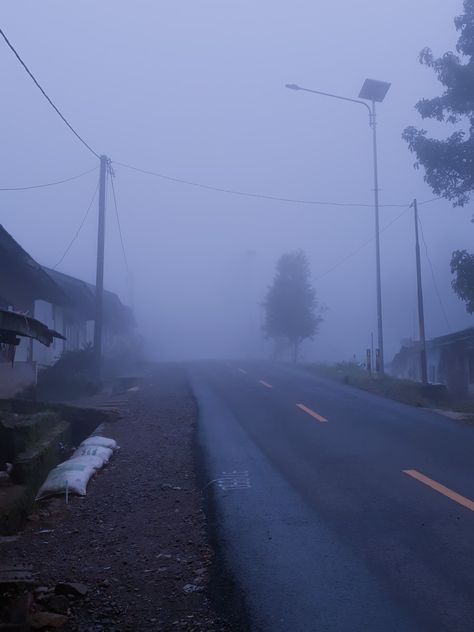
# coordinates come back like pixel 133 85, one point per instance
pixel 62 303
pixel 450 361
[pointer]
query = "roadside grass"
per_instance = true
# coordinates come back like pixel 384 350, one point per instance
pixel 404 391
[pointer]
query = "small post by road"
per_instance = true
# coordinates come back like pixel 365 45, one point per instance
pixel 99 284
pixel 421 313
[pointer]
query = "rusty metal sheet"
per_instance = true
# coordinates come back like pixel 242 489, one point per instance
pixel 18 324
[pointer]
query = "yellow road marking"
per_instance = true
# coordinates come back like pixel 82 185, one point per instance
pixel 266 384
pixel 312 413
pixel 242 371
pixel 461 500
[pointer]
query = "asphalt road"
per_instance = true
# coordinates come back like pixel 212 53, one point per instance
pixel 337 509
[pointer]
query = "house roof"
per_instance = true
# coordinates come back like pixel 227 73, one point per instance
pixel 15 261
pixel 457 336
pixel 413 346
pixel 81 294
pixel 117 316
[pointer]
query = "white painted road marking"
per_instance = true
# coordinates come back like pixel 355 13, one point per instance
pixel 234 480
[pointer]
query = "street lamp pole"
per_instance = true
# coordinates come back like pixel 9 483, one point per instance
pixel 381 364
pixel 373 91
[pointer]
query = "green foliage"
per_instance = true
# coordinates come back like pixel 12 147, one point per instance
pixel 406 391
pixel 449 163
pixel 69 378
pixel 462 265
pixel 291 307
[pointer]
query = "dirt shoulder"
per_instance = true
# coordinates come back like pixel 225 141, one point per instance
pixel 138 541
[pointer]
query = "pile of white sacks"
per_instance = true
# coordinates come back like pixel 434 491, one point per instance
pixel 72 476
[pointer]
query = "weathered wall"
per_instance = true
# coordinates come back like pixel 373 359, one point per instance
pixel 15 379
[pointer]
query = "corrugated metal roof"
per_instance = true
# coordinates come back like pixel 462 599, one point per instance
pixel 14 260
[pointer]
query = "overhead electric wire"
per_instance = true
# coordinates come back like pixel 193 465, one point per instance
pixel 43 92
pixel 248 194
pixel 48 184
pixel 76 234
pixel 172 178
pixel 361 247
pixel 118 221
pixel 430 201
pixel 433 276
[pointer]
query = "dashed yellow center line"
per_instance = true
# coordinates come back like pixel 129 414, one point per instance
pixel 243 371
pixel 266 384
pixel 312 413
pixel 461 500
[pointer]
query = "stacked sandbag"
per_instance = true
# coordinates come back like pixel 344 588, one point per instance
pixel 69 477
pixel 73 475
pixel 93 452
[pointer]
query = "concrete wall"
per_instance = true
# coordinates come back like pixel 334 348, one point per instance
pixel 52 317
pixel 15 379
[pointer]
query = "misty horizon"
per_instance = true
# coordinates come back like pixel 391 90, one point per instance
pixel 198 93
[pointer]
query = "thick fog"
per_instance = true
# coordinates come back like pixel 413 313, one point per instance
pixel 195 90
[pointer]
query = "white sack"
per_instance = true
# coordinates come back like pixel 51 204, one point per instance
pixel 93 450
pixel 95 462
pixel 69 476
pixel 105 442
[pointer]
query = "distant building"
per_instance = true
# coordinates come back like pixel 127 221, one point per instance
pixel 450 361
pixel 63 303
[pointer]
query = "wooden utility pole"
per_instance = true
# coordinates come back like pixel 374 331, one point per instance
pixel 99 283
pixel 421 313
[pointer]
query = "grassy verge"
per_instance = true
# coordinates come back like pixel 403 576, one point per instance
pixel 405 391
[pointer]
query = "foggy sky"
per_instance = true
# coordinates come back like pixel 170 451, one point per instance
pixel 196 90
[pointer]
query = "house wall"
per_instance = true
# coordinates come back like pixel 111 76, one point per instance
pixel 453 367
pixel 76 335
pixel 15 379
pixel 433 357
pixel 447 364
pixel 53 317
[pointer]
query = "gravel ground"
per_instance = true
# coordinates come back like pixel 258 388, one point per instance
pixel 138 540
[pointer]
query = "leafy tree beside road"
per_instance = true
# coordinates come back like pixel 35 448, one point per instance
pixel 449 163
pixel 462 264
pixel 291 306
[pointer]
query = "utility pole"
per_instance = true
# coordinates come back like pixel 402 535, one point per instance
pixel 381 366
pixel 99 283
pixel 421 313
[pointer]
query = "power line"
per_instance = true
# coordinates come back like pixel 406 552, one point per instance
pixel 171 178
pixel 433 276
pixel 112 175
pixel 430 201
pixel 76 234
pixel 263 196
pixel 12 48
pixel 48 184
pixel 361 247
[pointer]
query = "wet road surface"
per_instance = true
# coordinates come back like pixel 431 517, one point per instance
pixel 337 509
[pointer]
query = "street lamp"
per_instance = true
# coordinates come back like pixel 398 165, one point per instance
pixel 375 92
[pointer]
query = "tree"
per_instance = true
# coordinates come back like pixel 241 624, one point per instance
pixel 291 307
pixel 462 265
pixel 449 163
